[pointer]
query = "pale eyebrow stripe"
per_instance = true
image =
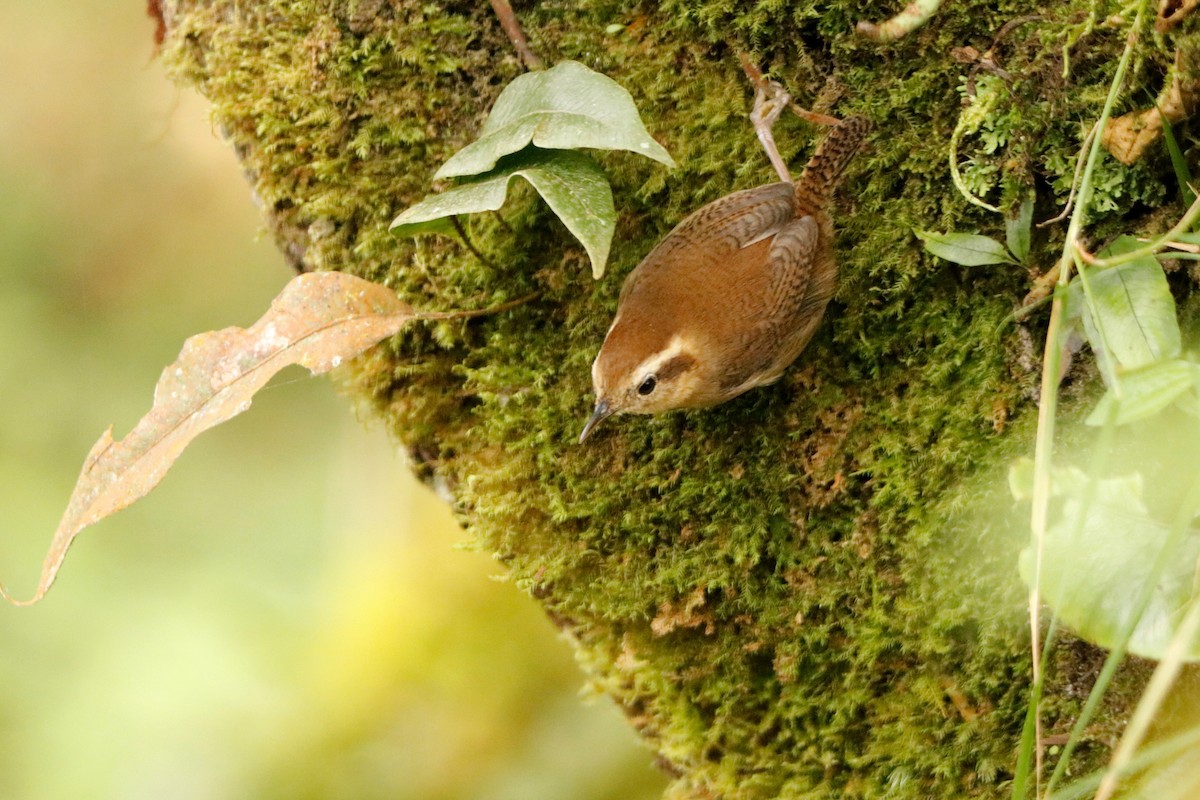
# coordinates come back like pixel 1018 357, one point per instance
pixel 654 362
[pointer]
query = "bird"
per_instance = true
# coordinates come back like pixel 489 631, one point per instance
pixel 733 294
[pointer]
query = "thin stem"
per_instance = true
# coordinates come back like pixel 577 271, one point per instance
pixel 1087 140
pixel 1153 754
pixel 512 27
pixel 760 81
pixel 478 312
pixel 1160 683
pixel 1155 245
pixel 503 222
pixel 1044 446
pixel 753 73
pixel 987 61
pixel 462 234
pixel 1182 256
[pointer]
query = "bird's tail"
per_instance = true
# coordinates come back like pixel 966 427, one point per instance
pixel 825 168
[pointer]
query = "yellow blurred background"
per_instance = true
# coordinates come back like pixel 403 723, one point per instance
pixel 287 615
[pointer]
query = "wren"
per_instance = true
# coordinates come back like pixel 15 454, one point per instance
pixel 734 293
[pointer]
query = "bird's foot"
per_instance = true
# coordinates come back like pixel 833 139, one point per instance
pixel 770 99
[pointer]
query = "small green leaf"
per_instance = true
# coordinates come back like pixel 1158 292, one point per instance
pixel 1102 552
pixel 1183 175
pixel 968 249
pixel 571 183
pixel 563 108
pixel 1018 230
pixel 1145 392
pixel 1133 308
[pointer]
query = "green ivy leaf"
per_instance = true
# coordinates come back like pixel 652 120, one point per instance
pixel 968 249
pixel 1018 230
pixel 1133 307
pixel 1146 391
pixel 1102 553
pixel 571 183
pixel 566 107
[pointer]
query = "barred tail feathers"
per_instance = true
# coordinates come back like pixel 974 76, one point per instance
pixel 833 155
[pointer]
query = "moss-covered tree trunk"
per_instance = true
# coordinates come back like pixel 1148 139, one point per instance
pixel 810 591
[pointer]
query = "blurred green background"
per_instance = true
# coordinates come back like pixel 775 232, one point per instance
pixel 287 615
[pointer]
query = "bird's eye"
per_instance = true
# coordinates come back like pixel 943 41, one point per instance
pixel 648 385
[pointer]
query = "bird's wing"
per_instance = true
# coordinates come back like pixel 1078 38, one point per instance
pixel 731 223
pixel 792 257
pixel 789 302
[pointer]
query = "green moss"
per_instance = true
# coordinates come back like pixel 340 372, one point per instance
pixel 810 591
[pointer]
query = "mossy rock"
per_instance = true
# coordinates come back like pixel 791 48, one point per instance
pixel 810 591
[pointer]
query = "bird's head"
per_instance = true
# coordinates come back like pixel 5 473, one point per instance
pixel 641 370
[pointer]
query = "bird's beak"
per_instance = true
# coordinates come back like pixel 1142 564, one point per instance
pixel 602 412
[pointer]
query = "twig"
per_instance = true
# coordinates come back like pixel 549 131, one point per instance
pixel 1079 162
pixel 508 21
pixel 813 116
pixel 478 312
pixel 1185 247
pixel 1042 287
pixel 752 72
pixel 154 10
pixel 762 82
pixel 462 234
pixel 987 61
pixel 503 222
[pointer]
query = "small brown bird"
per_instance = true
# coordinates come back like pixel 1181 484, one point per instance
pixel 733 294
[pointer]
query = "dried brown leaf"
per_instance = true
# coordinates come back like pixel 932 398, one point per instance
pixel 1128 136
pixel 1173 12
pixel 318 321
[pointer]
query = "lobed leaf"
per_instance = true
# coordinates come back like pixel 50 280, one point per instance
pixel 319 320
pixel 571 183
pixel 563 108
pixel 968 249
